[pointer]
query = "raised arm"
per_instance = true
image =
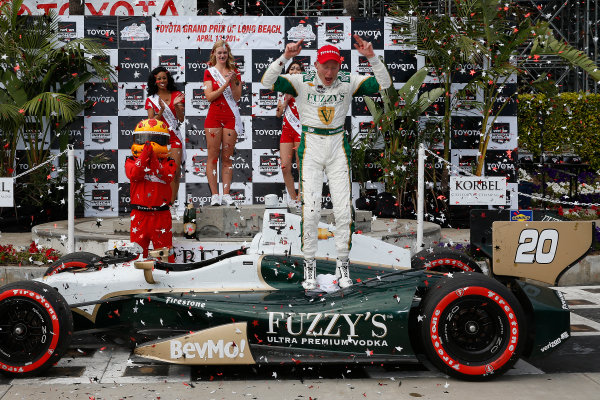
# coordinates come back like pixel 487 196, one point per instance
pixel 379 69
pixel 272 79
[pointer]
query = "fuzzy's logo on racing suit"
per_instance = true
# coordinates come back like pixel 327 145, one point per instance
pixel 326 114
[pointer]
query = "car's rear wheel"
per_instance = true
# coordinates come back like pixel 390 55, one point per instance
pixel 472 327
pixel 443 260
pixel 35 328
pixel 72 262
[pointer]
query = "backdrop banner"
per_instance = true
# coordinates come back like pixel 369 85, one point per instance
pixel 182 44
pixel 113 7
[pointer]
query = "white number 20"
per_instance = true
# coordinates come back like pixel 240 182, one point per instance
pixel 531 246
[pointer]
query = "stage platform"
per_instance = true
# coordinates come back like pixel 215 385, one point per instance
pixel 220 228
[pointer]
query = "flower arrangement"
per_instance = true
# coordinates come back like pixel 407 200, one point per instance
pixel 582 187
pixel 35 254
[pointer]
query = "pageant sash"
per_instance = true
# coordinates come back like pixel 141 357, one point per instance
pixel 293 120
pixel 228 94
pixel 172 120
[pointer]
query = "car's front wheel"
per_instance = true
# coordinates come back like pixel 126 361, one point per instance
pixel 35 328
pixel 472 327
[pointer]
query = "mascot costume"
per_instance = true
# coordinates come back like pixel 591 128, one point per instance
pixel 151 172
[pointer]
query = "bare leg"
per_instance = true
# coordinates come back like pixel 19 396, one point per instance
pixel 175 154
pixel 213 148
pixel 229 140
pixel 286 154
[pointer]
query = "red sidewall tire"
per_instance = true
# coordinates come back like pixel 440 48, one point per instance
pixel 33 312
pixel 443 260
pixel 72 262
pixel 474 328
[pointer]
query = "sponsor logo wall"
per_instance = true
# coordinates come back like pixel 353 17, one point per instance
pixel 135 44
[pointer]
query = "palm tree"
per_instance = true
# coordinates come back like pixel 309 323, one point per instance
pixel 490 33
pixel 39 78
pixel 397 125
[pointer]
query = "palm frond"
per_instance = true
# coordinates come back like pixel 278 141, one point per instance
pixel 53 105
pixel 546 43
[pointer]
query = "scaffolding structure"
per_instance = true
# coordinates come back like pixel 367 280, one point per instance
pixel 574 21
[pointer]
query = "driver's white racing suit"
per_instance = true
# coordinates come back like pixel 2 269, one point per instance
pixel 324 145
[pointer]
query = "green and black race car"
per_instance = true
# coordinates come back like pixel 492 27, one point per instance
pixel 248 307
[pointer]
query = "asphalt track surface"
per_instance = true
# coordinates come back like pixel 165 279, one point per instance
pixel 95 369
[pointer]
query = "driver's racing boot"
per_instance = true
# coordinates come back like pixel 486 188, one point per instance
pixel 310 274
pixel 342 273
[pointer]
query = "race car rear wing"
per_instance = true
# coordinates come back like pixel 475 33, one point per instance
pixel 539 250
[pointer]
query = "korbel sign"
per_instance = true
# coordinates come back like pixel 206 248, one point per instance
pixel 477 190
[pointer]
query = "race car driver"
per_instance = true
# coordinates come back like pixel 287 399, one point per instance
pixel 323 99
pixel 151 172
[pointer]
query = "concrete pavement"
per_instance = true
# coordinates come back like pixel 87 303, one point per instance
pixel 526 387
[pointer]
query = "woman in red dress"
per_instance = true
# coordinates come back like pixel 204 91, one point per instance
pixel 166 103
pixel 223 89
pixel 290 135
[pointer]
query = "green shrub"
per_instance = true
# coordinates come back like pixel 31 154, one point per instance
pixel 570 122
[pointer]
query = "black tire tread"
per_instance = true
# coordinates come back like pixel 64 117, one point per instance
pixel 449 258
pixel 448 285
pixel 65 320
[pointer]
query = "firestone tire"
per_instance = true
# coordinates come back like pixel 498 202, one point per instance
pixel 72 262
pixel 35 328
pixel 472 327
pixel 444 260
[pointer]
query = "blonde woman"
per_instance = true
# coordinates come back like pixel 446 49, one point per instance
pixel 223 89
